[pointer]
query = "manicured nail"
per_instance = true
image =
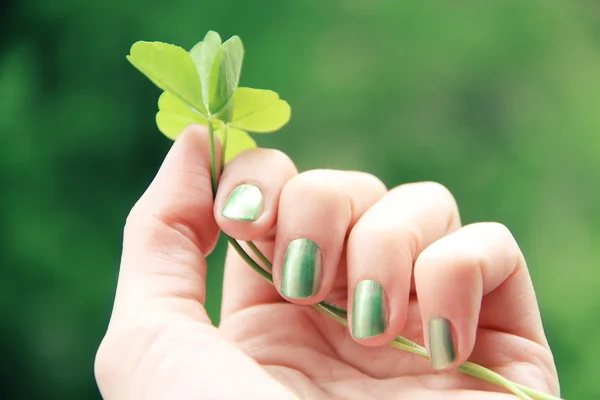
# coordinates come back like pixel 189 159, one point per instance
pixel 441 347
pixel 245 203
pixel 301 272
pixel 369 311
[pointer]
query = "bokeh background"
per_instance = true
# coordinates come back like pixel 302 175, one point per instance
pixel 499 101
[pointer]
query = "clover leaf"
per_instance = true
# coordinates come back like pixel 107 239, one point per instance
pixel 170 68
pixel 225 74
pixel 201 87
pixel 203 54
pixel 259 111
pixel 174 115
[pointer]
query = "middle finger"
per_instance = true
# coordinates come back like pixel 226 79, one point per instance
pixel 316 210
pixel 382 248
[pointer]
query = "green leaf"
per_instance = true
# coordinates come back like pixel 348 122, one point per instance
pixel 225 74
pixel 170 68
pixel 174 116
pixel 237 141
pixel 259 111
pixel 203 54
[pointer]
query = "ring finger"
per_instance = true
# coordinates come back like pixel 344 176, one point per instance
pixel 316 211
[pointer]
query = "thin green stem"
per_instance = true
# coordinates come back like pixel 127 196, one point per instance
pixel 234 243
pixel 223 146
pixel 331 313
pixel 339 314
pixel 263 259
pixel 406 345
pixel 480 372
pixel 534 393
pixel 213 161
pixel 331 309
pixel 253 264
pixel 468 368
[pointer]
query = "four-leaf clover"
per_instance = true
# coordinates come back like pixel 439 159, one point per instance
pixel 201 87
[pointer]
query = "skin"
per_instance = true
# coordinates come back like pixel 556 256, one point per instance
pixel 160 343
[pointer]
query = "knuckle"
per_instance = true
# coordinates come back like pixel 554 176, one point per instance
pixel 512 252
pixel 427 191
pixel 136 221
pixel 429 187
pixel 372 181
pixel 389 235
pixel 316 176
pixel 439 191
pixel 436 187
pixel 414 238
pixel 498 230
pixel 133 217
pixel 337 181
pixel 320 182
pixel 279 157
pixel 265 159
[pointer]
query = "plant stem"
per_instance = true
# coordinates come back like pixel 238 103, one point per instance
pixel 534 393
pixel 480 372
pixel 331 314
pixel 253 264
pixel 263 259
pixel 234 243
pixel 339 314
pixel 213 161
pixel 223 146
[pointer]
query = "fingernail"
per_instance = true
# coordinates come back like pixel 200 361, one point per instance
pixel 245 203
pixel 441 347
pixel 368 311
pixel 301 272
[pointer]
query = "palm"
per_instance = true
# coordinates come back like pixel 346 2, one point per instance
pixel 304 349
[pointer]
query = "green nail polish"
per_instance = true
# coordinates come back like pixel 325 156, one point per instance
pixel 441 347
pixel 301 272
pixel 369 311
pixel 245 203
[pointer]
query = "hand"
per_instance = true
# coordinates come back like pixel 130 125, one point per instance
pixel 399 260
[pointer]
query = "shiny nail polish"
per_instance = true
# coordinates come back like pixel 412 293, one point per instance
pixel 301 272
pixel 369 311
pixel 245 203
pixel 441 346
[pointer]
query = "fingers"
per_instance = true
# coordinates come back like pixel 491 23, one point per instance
pixel 170 230
pixel 452 277
pixel 248 196
pixel 316 211
pixel 381 250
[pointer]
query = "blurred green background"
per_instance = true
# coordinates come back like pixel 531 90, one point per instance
pixel 499 102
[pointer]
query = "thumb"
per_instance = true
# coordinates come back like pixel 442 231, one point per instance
pixel 160 343
pixel 170 230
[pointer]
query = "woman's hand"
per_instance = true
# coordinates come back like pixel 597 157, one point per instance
pixel 398 259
